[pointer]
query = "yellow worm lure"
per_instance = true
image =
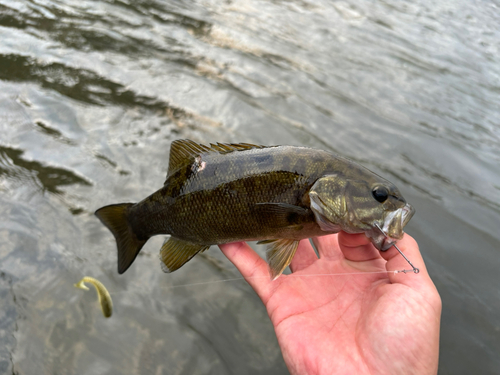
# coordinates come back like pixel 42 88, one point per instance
pixel 102 294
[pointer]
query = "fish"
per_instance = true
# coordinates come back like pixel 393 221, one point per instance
pixel 277 195
pixel 102 294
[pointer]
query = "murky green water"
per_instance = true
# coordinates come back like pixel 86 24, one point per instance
pixel 92 93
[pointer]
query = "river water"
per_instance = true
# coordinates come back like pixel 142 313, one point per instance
pixel 92 93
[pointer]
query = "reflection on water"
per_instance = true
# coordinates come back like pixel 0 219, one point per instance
pixel 12 165
pixel 79 84
pixel 92 93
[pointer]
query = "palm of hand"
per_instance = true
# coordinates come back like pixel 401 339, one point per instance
pixel 334 315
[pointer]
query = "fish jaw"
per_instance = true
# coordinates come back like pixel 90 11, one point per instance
pixel 391 229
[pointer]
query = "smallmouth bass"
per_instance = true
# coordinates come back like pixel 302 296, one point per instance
pixel 277 195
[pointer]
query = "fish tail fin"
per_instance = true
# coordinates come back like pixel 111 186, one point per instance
pixel 115 218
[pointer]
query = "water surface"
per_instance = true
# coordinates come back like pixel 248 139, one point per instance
pixel 92 93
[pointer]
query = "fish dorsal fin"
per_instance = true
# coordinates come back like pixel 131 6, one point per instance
pixel 183 151
pixel 224 148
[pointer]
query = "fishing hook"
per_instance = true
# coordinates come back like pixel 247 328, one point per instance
pixel 415 269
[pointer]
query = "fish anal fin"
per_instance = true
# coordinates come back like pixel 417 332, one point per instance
pixel 279 255
pixel 175 252
pixel 184 151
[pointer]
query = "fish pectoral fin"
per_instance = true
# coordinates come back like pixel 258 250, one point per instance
pixel 175 252
pixel 279 255
pixel 282 215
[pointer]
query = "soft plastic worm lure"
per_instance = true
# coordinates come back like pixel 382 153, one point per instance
pixel 102 294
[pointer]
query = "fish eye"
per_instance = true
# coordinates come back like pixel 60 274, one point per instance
pixel 380 193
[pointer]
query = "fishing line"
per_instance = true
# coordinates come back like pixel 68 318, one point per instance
pixel 290 275
pixel 413 270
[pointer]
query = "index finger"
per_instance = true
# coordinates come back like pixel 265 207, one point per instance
pixel 251 266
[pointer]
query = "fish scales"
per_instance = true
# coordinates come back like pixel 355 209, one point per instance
pixel 225 193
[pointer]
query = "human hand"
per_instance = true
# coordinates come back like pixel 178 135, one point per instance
pixel 342 313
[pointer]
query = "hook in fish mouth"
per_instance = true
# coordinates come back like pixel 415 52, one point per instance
pixel 385 235
pixel 407 214
pixel 414 269
pixel 394 224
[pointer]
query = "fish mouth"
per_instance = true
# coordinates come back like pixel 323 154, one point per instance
pixel 408 212
pixel 384 236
